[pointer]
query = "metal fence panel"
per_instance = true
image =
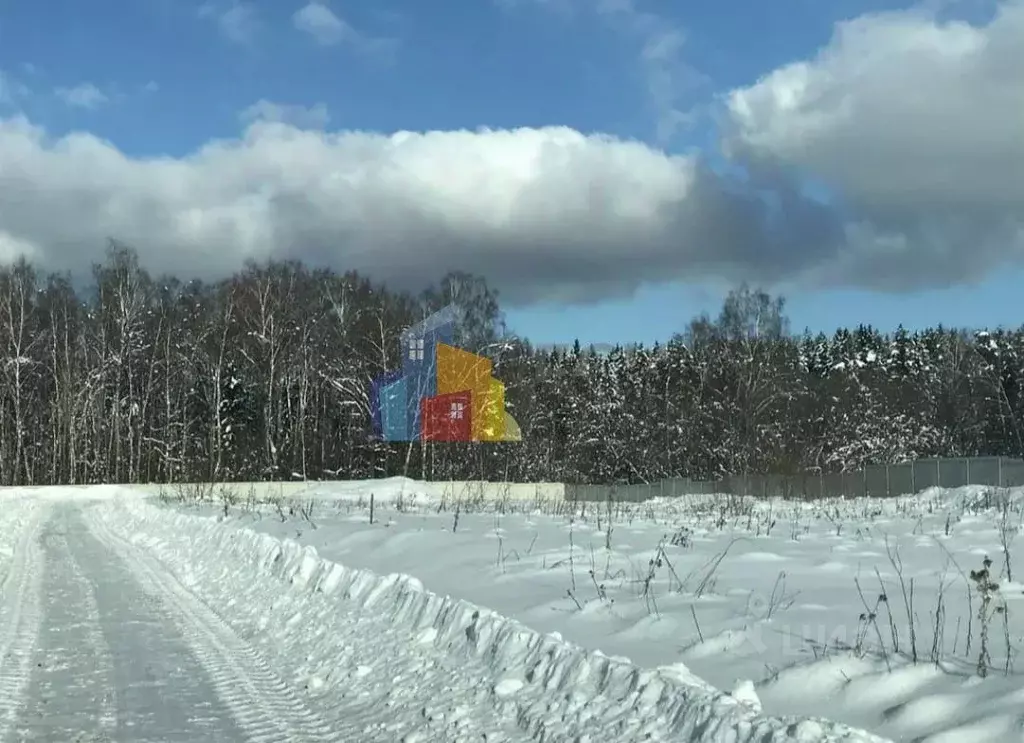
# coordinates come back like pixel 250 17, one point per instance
pixel 901 479
pixel 984 470
pixel 853 484
pixel 588 493
pixel 681 486
pixel 926 474
pixel 876 480
pixel 813 486
pixel 779 486
pixel 816 485
pixel 791 486
pixel 1012 473
pixel 953 473
pixel 832 485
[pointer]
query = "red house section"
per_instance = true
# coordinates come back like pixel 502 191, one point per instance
pixel 447 417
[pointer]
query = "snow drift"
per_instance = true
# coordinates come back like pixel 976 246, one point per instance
pixel 397 662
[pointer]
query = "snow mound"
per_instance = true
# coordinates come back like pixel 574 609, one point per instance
pixel 18 513
pixel 398 662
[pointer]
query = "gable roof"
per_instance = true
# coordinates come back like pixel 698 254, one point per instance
pixel 447 316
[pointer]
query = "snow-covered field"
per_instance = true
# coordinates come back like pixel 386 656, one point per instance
pixel 124 619
pixel 868 612
pixel 700 619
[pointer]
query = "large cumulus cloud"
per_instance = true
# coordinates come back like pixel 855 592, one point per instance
pixel 917 126
pixel 542 213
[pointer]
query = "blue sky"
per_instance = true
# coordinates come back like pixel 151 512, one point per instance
pixel 161 79
pixel 656 313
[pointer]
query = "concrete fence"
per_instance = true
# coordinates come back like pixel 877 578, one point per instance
pixel 877 481
pixel 874 481
pixel 387 489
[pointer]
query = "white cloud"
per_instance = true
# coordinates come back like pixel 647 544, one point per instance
pixel 671 80
pixel 311 117
pixel 918 125
pixel 84 95
pixel 328 29
pixel 320 22
pixel 543 213
pixel 237 20
pixel 12 248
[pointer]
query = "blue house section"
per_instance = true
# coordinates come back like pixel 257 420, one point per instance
pixel 419 360
pixel 375 407
pixel 394 403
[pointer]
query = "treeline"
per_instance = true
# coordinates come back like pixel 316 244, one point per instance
pixel 266 375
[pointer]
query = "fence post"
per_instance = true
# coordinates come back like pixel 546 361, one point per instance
pixel 938 472
pixel 999 469
pixel 968 460
pixel 888 483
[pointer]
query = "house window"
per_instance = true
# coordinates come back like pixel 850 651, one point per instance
pixel 416 349
pixel 458 410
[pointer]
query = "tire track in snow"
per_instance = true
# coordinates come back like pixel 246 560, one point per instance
pixel 107 713
pixel 72 692
pixel 20 617
pixel 262 703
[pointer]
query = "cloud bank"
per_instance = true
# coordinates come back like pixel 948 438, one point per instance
pixel 915 127
pixel 543 213
pixel 918 128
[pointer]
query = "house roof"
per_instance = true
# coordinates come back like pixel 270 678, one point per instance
pixel 446 316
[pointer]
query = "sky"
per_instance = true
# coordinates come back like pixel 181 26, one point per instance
pixel 611 167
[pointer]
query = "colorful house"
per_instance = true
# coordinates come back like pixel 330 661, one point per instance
pixel 461 370
pixel 447 417
pixel 378 384
pixel 394 411
pixel 442 393
pixel 419 361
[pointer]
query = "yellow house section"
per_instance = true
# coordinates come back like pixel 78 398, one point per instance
pixel 492 412
pixel 458 371
pixel 512 432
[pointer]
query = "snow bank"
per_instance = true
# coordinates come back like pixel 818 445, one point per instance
pixel 18 513
pixel 65 493
pixel 350 635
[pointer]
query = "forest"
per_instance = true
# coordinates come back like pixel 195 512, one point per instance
pixel 265 375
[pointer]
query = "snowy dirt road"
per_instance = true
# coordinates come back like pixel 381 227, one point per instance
pixel 103 644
